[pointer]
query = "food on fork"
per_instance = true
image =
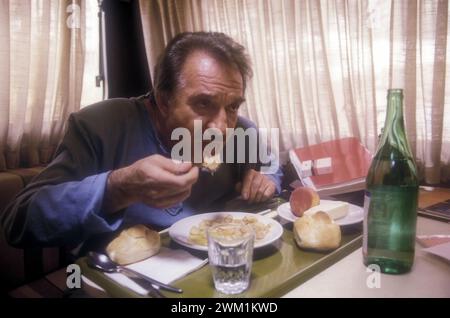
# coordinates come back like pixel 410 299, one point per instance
pixel 133 245
pixel 302 199
pixel 212 163
pixel 317 232
pixel 198 233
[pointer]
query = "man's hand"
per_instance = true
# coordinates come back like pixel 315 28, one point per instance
pixel 257 187
pixel 155 180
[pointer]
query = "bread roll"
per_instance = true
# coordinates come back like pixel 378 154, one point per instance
pixel 133 245
pixel 317 232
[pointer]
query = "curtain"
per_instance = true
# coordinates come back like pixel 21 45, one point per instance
pixel 322 68
pixel 41 75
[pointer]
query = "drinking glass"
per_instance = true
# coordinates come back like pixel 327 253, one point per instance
pixel 230 252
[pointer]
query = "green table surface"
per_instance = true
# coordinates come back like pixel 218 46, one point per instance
pixel 277 269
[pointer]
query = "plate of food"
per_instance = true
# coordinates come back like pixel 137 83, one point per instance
pixel 305 201
pixel 191 231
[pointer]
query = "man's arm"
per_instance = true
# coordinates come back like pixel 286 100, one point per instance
pixel 75 198
pixel 63 204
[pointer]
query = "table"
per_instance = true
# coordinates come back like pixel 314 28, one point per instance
pixel 430 276
pixel 276 270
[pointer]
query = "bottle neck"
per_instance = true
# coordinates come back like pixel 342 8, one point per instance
pixel 394 113
pixel 394 134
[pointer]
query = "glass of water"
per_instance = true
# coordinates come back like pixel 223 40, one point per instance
pixel 230 252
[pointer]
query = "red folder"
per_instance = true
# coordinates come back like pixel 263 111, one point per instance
pixel 350 162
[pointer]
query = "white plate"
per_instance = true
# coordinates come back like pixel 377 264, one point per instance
pixel 179 231
pixel 355 214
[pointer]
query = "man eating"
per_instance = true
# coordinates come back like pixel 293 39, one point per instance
pixel 114 168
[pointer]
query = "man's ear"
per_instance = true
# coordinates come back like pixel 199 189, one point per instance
pixel 162 102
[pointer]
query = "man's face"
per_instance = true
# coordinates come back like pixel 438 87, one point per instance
pixel 208 90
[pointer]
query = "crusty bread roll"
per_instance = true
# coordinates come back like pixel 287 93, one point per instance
pixel 133 245
pixel 317 232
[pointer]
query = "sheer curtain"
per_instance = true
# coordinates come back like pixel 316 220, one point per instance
pixel 322 68
pixel 41 75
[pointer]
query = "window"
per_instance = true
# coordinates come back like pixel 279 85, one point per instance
pixel 91 93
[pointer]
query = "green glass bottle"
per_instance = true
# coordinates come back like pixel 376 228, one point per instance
pixel 390 203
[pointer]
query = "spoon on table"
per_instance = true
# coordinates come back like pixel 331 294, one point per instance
pixel 105 264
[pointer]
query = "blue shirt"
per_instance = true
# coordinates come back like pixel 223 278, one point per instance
pixel 63 204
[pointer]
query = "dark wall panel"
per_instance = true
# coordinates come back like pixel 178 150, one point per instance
pixel 127 69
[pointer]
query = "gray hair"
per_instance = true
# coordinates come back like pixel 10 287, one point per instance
pixel 218 45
